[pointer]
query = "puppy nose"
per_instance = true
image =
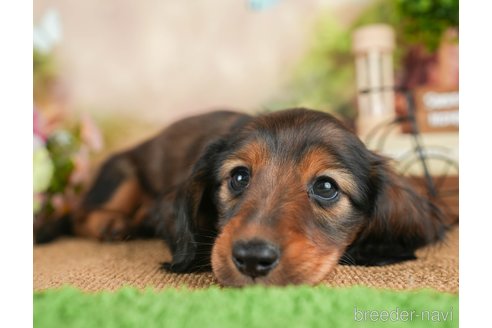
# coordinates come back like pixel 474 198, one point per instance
pixel 255 258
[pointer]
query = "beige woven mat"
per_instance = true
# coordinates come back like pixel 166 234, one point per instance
pixel 94 266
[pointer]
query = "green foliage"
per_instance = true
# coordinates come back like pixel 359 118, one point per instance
pixel 424 21
pixel 44 71
pixel 382 11
pixel 415 21
pixel 324 77
pixel 62 147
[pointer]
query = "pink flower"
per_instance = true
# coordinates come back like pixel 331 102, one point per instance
pixel 38 126
pixel 90 134
pixel 81 168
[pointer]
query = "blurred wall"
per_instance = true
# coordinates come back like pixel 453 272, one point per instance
pixel 163 59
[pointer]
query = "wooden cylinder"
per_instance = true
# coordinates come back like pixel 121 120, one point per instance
pixel 373 48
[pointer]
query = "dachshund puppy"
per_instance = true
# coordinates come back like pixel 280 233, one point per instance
pixel 280 198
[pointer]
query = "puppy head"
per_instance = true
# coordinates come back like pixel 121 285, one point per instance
pixel 291 199
pixel 291 191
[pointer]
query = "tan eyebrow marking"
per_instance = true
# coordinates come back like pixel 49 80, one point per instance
pixel 344 179
pixel 229 165
pixel 253 156
pixel 318 162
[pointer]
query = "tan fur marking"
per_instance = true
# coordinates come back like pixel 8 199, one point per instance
pixel 318 162
pixel 114 213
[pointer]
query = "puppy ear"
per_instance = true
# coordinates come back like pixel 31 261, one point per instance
pixel 193 230
pixel 400 219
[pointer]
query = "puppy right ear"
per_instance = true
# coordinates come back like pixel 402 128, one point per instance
pixel 195 214
pixel 401 220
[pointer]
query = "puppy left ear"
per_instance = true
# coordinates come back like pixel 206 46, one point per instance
pixel 400 219
pixel 193 230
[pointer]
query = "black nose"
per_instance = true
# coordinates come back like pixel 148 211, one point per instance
pixel 255 258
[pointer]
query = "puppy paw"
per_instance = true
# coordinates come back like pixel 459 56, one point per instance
pixel 105 226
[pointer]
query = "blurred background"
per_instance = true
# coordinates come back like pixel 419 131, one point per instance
pixel 108 74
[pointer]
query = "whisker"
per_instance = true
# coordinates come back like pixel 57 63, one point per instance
pixel 347 259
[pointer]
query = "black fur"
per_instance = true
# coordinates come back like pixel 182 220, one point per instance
pixel 179 168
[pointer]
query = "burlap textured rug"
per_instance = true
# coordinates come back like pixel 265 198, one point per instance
pixel 93 266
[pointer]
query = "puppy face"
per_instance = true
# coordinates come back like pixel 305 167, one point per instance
pixel 287 194
pixel 289 200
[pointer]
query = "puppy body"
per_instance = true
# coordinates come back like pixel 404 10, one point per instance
pixel 274 199
pixel 132 184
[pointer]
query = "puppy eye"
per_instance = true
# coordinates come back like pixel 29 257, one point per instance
pixel 324 189
pixel 239 179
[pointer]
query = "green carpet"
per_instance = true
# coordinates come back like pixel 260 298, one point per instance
pixel 248 307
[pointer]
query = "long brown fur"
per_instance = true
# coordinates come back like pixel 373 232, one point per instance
pixel 179 186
